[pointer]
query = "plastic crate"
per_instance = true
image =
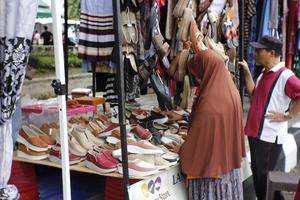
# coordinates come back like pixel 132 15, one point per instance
pixel 39 114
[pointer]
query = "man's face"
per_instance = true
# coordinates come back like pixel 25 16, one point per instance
pixel 262 56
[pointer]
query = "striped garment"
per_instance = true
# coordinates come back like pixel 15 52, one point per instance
pixel 110 95
pixel 96 37
pixel 229 187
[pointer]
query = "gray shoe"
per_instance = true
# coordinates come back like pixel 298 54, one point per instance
pixel 10 192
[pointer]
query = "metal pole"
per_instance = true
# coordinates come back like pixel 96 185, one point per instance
pixel 94 64
pixel 59 69
pixel 121 99
pixel 241 46
pixel 66 46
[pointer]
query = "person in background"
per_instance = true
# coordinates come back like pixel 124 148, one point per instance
pixel 212 153
pixel 270 109
pixel 36 38
pixel 47 36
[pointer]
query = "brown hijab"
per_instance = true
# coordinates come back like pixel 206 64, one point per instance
pixel 215 142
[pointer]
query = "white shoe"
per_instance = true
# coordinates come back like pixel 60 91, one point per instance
pixel 95 140
pixel 83 139
pixel 139 147
pixel 138 167
pixel 75 148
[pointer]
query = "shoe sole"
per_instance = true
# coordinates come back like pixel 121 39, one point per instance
pixel 94 167
pixel 58 161
pixel 162 167
pixel 133 172
pixel 22 140
pixel 161 120
pixel 77 153
pixel 21 154
pixel 136 149
pixel 171 157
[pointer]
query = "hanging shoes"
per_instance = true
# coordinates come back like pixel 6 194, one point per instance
pixel 196 38
pixel 213 19
pixel 150 24
pixel 162 47
pixel 182 68
pixel 235 37
pixel 185 24
pixel 186 93
pixel 174 65
pixel 179 8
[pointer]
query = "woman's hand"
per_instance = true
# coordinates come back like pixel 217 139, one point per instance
pixel 173 116
pixel 174 147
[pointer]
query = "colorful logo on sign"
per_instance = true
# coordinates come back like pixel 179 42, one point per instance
pixel 151 187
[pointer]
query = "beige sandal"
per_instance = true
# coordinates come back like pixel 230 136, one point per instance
pixel 182 68
pixel 125 23
pixel 185 93
pixel 132 28
pixel 179 8
pixel 196 38
pixel 185 24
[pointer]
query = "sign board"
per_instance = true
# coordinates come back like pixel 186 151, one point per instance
pixel 169 185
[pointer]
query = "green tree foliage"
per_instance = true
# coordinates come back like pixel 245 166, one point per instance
pixel 73 9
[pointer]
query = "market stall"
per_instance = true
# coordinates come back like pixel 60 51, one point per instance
pixel 155 62
pixel 148 44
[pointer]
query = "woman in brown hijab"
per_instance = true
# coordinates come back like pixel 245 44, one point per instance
pixel 212 153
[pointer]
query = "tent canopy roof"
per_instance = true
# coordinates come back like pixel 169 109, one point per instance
pixel 44 9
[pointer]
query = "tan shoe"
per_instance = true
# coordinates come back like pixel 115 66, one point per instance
pixel 185 24
pixel 182 68
pixel 51 130
pixel 196 37
pixel 185 93
pixel 179 8
pixel 25 152
pixel 174 65
pixel 38 132
pixel 31 140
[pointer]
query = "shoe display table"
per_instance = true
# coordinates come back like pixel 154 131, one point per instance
pixel 80 167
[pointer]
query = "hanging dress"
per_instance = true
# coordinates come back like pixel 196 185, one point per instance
pixel 96 37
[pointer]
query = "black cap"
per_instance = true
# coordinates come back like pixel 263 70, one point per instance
pixel 268 42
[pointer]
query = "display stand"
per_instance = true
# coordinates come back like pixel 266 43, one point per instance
pixel 80 167
pixel 60 90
